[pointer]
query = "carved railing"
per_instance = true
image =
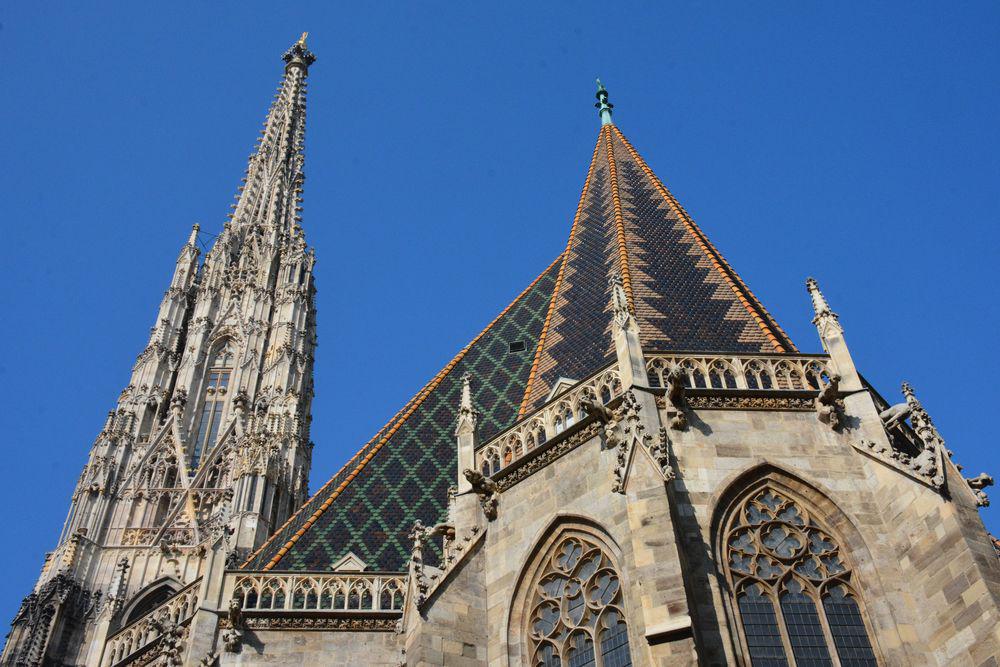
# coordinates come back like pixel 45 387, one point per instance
pixel 757 372
pixel 139 636
pixel 700 371
pixel 548 421
pixel 353 593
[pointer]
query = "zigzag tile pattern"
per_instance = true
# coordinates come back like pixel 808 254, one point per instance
pixel 579 339
pixel 685 297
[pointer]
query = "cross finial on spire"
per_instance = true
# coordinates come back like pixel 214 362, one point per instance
pixel 603 106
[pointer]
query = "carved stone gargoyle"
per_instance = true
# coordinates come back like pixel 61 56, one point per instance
pixel 232 638
pixel 894 416
pixel 977 484
pixel 486 489
pixel 674 398
pixel 602 412
pixel 829 408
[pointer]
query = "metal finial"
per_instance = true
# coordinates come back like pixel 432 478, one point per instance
pixel 302 39
pixel 603 106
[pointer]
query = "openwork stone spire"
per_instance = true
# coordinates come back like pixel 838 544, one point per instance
pixel 272 190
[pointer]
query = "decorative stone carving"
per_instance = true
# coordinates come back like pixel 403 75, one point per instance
pixel 177 402
pixel 170 648
pixel 659 449
pixel 595 409
pixel 978 484
pixel 674 398
pixel 59 599
pixel 487 491
pixel 633 434
pixel 826 320
pixel 829 407
pixel 232 640
pixel 721 402
pixel 420 579
pixel 336 623
pixel 929 461
pixel 509 477
pixel 894 416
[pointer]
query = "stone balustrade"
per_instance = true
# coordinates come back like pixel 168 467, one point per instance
pixel 354 592
pixel 758 372
pixel 709 372
pixel 139 636
pixel 553 418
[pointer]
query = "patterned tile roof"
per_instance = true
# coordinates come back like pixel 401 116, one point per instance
pixel 685 297
pixel 403 473
pixel 684 294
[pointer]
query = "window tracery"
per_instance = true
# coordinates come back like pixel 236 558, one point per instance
pixel 576 616
pixel 795 600
pixel 214 401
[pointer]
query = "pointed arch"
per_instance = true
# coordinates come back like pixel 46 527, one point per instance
pixel 569 605
pixel 787 559
pixel 148 598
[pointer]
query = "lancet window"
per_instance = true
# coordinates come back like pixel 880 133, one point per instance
pixel 795 595
pixel 216 385
pixel 576 615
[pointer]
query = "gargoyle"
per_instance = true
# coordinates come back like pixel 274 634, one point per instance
pixel 894 416
pixel 445 529
pixel 232 639
pixel 486 489
pixel 675 398
pixel 235 613
pixel 978 484
pixel 600 411
pixel 829 408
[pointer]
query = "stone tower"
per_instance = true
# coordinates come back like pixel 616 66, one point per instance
pixel 207 450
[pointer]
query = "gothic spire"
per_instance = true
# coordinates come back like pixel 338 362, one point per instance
pixel 272 189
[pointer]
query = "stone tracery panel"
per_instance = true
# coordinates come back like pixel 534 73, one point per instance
pixel 576 615
pixel 795 601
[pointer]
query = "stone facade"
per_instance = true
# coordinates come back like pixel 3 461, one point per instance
pixel 666 508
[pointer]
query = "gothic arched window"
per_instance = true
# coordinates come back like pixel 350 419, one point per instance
pixel 220 368
pixel 793 588
pixel 575 616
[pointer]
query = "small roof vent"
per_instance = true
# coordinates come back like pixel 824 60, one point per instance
pixel 516 346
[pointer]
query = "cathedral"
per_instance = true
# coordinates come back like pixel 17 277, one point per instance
pixel 632 464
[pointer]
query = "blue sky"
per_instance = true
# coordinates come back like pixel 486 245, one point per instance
pixel 446 147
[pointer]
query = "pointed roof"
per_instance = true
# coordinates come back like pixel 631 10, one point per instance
pixel 684 295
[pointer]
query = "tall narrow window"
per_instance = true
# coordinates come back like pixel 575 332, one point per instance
pixel 214 401
pixel 146 425
pixel 575 615
pixel 793 587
